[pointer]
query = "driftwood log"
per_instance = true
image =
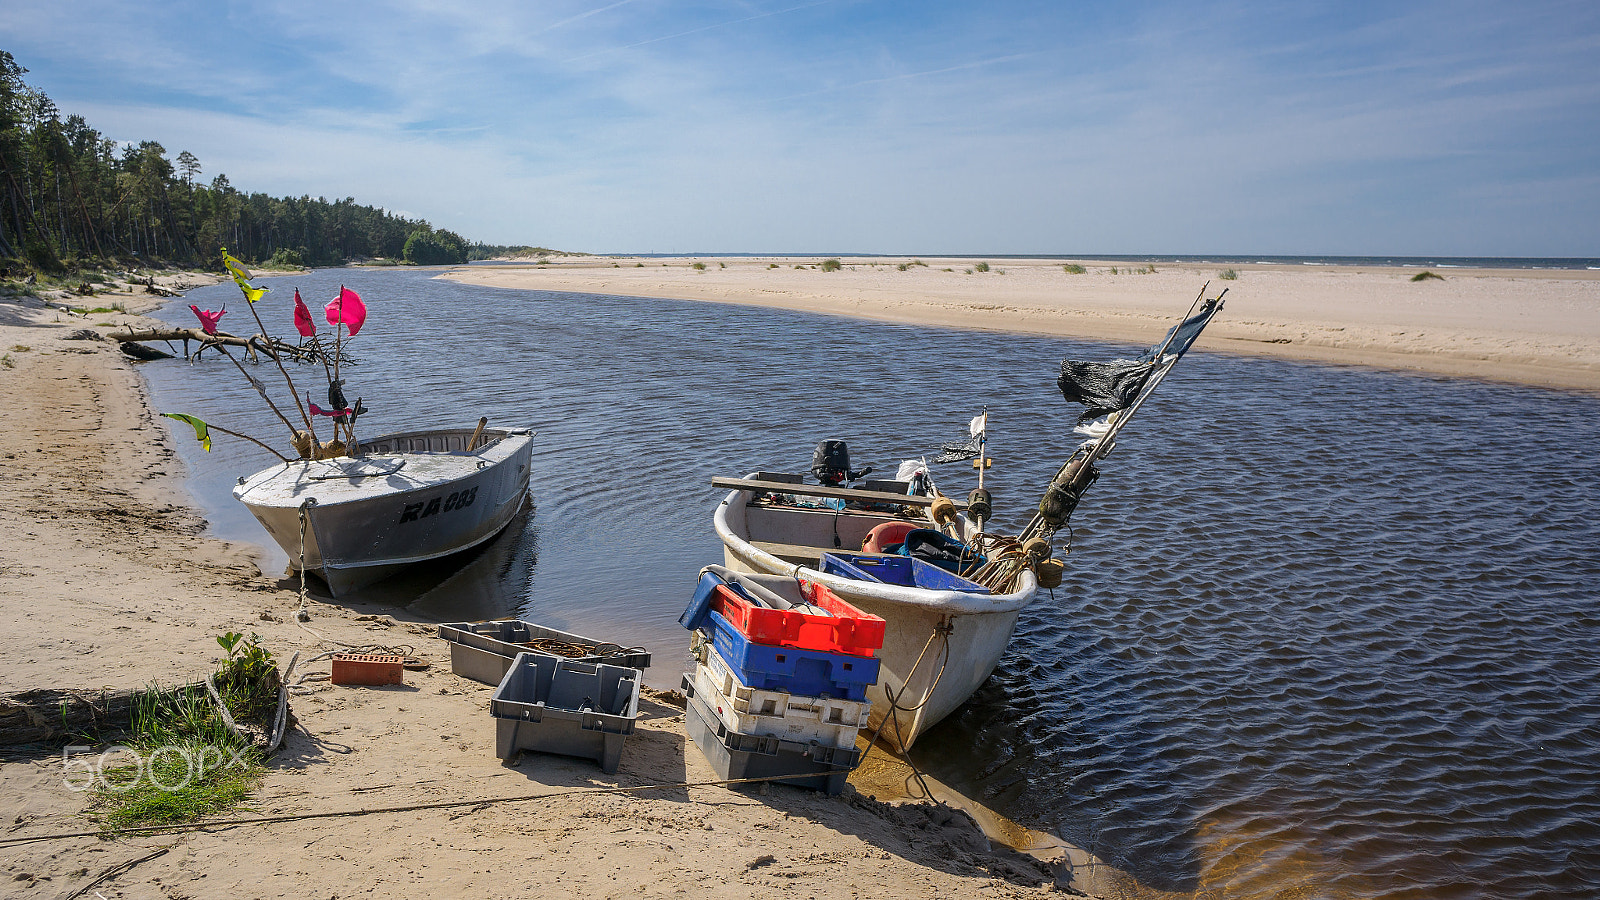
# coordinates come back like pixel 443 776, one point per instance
pixel 53 717
pixel 140 351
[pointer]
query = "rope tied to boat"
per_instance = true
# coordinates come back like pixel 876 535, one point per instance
pixel 303 614
pixel 942 632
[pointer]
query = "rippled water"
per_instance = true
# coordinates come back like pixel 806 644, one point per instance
pixel 1325 633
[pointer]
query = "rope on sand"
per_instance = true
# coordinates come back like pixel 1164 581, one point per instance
pixel 413 807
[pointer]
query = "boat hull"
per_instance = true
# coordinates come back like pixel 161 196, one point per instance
pixel 409 498
pixel 939 646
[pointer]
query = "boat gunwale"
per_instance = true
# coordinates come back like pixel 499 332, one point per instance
pixel 956 603
pixel 257 489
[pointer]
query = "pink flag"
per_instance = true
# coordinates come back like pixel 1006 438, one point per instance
pixel 208 319
pixel 303 322
pixel 348 309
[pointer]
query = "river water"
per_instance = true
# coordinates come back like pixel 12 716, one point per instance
pixel 1325 632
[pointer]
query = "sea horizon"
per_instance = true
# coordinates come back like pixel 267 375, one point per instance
pixel 1441 262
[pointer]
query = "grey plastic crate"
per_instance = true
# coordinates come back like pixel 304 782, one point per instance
pixel 735 755
pixel 483 651
pixel 553 705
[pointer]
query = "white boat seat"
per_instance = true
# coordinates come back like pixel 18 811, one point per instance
pixel 795 553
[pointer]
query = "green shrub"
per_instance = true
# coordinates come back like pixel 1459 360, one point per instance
pixel 830 265
pixel 1073 269
pixel 1229 275
pixel 284 258
pixel 982 267
pixel 699 267
pixel 1425 275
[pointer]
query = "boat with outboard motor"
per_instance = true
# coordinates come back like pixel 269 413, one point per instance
pixel 949 614
pixel 406 498
pixel 941 641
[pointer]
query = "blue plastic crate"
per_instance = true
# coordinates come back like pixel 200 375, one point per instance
pixel 694 616
pixel 906 571
pixel 810 673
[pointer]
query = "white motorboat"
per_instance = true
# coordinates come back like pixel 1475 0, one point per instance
pixel 939 644
pixel 404 499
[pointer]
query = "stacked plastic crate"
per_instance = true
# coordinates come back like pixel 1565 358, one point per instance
pixel 781 677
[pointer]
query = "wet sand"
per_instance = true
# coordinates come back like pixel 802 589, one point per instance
pixel 1538 327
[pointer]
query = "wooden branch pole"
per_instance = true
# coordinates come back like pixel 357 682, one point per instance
pixel 221 338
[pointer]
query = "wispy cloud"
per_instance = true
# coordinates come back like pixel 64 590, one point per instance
pixel 751 124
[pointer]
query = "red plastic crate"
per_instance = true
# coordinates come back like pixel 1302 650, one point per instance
pixel 368 668
pixel 848 630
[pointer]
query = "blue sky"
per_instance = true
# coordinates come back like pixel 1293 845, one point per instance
pixel 1413 128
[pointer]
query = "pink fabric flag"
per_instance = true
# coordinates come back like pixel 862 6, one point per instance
pixel 208 319
pixel 331 413
pixel 348 309
pixel 303 322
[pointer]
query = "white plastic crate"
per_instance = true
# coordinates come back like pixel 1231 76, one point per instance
pixel 797 726
pixel 747 700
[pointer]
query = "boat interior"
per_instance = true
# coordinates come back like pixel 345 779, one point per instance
pixel 441 441
pixel 798 522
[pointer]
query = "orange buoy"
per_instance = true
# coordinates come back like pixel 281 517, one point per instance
pixel 886 535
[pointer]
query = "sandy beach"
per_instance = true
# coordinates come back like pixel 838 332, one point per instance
pixel 108 581
pixel 1538 327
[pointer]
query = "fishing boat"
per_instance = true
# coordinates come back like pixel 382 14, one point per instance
pixel 404 499
pixel 943 636
pixel 940 643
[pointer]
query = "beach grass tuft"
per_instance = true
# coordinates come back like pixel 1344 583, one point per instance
pixel 185 762
pixel 1073 269
pixel 1425 276
pixel 699 266
pixel 1228 275
pixel 189 764
pixel 831 265
pixel 982 267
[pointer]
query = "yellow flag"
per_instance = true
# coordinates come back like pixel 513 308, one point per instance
pixel 236 268
pixel 251 293
pixel 201 430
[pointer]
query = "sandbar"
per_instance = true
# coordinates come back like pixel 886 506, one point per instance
pixel 1537 327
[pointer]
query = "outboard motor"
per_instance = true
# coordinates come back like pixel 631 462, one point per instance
pixel 830 463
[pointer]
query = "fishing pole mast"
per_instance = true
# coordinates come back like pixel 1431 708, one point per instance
pixel 1079 471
